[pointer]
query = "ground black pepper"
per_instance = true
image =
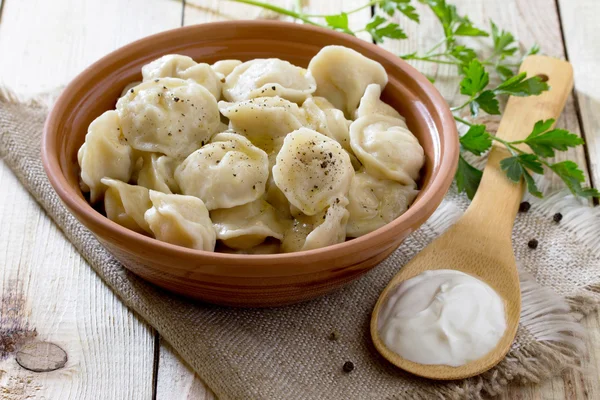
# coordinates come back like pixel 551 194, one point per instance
pixel 524 206
pixel 348 366
pixel 557 217
pixel 533 244
pixel 334 336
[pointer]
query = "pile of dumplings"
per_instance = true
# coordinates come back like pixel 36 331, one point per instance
pixel 253 157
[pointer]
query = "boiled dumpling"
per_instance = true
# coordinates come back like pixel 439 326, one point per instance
pixel 275 197
pixel 180 220
pixel 267 78
pixel 343 74
pixel 386 148
pixel 169 116
pixel 269 246
pixel 183 67
pixel 126 204
pixel 324 118
pixel 246 226
pixel 312 170
pixel 263 119
pixel 375 202
pixel 105 153
pixel 158 173
pixel 371 103
pixel 324 229
pixel 225 67
pixel 227 172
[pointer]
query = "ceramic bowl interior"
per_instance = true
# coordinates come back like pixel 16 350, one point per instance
pixel 204 274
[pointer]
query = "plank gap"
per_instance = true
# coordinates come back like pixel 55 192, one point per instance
pixel 1 8
pixel 183 4
pixel 156 362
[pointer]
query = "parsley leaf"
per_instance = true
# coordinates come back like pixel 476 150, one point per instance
pixel 466 28
pixel 379 28
pixel 463 54
pixel 540 127
pixel 544 141
pixel 476 140
pixel 570 173
pixel 531 186
pixel 475 80
pixel 503 41
pixel 556 139
pixel 535 49
pixel 504 72
pixel 338 22
pixel 519 86
pixel 516 168
pixel 467 177
pixel 391 6
pixel 487 102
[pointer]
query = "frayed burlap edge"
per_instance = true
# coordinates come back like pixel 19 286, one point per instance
pixel 558 344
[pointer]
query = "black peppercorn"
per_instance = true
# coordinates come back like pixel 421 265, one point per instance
pixel 524 206
pixel 348 366
pixel 533 244
pixel 557 217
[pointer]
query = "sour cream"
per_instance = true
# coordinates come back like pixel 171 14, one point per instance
pixel 442 317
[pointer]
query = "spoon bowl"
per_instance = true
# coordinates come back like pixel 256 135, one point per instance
pixel 479 243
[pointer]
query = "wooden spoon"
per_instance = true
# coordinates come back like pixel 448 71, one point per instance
pixel 479 243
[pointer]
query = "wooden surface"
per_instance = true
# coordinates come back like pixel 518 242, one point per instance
pixel 48 289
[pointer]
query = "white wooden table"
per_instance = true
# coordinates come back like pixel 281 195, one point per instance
pixel 48 287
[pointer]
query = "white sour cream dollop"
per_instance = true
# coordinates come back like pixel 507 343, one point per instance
pixel 442 317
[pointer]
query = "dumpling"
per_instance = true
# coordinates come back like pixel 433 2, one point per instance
pixel 263 119
pixel 169 116
pixel 126 204
pixel 343 74
pixel 269 246
pixel 246 226
pixel 375 202
pixel 105 153
pixel 324 118
pixel 128 87
pixel 371 103
pixel 180 220
pixel 227 172
pixel 266 78
pixel 225 67
pixel 324 229
pixel 312 170
pixel 183 67
pixel 275 197
pixel 158 173
pixel 386 148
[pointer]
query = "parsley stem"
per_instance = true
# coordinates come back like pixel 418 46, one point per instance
pixel 438 44
pixel 413 57
pixel 279 10
pixel 463 105
pixel 369 4
pixel 463 121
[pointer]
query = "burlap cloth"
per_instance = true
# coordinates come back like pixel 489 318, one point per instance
pixel 286 353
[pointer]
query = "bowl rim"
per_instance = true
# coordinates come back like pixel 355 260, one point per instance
pixel 415 215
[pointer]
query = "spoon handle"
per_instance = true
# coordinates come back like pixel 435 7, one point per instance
pixel 497 200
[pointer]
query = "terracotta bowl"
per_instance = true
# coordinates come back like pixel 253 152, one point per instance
pixel 246 280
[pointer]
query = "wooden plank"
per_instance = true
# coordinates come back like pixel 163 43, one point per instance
pixel 47 290
pixel 175 379
pixel 534 21
pixel 582 39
